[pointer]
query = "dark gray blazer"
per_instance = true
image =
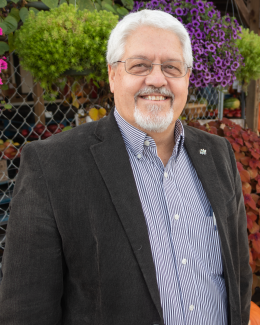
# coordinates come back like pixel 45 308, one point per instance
pixel 77 249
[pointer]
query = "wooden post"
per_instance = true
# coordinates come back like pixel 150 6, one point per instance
pixel 38 104
pixel 252 97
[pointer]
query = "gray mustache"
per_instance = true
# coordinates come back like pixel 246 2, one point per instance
pixel 150 90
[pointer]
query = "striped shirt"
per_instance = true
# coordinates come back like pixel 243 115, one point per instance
pixel 184 242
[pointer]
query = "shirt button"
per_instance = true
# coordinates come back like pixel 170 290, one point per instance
pixel 165 174
pixel 147 143
pixel 139 156
pixel 176 217
pixel 184 261
pixel 191 308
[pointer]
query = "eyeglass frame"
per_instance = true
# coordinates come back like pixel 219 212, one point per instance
pixel 151 69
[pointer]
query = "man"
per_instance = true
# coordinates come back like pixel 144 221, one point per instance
pixel 133 219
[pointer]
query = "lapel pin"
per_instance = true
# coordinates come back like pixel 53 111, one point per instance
pixel 203 152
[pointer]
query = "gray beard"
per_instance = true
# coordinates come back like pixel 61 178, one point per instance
pixel 152 121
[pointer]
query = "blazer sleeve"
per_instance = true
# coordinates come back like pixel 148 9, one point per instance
pixel 245 269
pixel 32 284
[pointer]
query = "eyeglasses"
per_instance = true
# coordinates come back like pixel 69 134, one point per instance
pixel 143 67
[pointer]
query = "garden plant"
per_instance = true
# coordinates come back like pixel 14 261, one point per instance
pixel 55 41
pixel 249 46
pixel 213 38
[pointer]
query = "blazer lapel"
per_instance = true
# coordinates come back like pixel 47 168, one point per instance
pixel 207 173
pixel 113 163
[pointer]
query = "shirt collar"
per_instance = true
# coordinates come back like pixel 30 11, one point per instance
pixel 135 138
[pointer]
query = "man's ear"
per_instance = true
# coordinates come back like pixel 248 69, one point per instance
pixel 111 77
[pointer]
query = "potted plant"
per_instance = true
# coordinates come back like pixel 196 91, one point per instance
pixel 213 39
pixel 249 46
pixel 64 38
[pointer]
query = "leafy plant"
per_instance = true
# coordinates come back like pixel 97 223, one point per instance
pixel 246 146
pixel 249 47
pixel 14 13
pixel 64 38
pixel 213 38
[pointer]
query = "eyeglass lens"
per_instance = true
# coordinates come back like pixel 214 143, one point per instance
pixel 142 67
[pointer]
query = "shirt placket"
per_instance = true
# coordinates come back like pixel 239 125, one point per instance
pixel 180 245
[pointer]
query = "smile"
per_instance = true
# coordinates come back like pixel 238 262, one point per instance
pixel 154 97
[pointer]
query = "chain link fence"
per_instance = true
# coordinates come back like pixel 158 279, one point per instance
pixel 31 118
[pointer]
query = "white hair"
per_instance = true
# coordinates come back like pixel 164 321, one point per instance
pixel 154 18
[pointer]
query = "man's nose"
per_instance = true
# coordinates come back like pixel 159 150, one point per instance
pixel 156 78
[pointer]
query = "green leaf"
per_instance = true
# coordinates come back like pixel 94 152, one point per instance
pixel 96 84
pixel 24 13
pixel 51 3
pixel 128 4
pixel 97 6
pixel 8 106
pixel 108 7
pixel 15 13
pixel 34 10
pixel 11 24
pixel 4 87
pixel 62 1
pixel 3 3
pixel 99 2
pixel 122 11
pixel 86 4
pixel 11 42
pixel 15 1
pixel 4 27
pixel 67 128
pixel 4 47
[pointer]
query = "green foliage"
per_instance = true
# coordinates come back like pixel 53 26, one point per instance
pixel 3 3
pixel 249 47
pixel 3 48
pixel 64 38
pixel 23 14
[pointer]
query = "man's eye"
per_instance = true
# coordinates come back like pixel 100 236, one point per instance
pixel 140 65
pixel 170 67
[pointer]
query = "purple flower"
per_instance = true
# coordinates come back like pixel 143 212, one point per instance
pixel 167 9
pixel 194 11
pixel 195 24
pixel 179 12
pixel 210 14
pixel 234 66
pixel 212 48
pixel 154 3
pixel 200 4
pixel 199 35
pixel 218 62
pixel 227 61
pixel 192 78
pixel 207 75
pixel 180 19
pixel 202 10
pixel 227 19
pixel 218 78
pixel 224 83
pixel 198 83
pixel 228 72
pixel 198 66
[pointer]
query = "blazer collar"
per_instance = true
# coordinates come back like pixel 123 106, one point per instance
pixel 113 163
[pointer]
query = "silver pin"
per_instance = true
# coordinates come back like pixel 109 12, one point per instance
pixel 203 152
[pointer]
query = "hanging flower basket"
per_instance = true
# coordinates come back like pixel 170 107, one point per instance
pixel 213 39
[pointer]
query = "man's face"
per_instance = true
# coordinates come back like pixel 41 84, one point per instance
pixel 150 113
